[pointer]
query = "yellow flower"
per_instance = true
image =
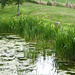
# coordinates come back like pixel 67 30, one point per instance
pixel 43 18
pixel 39 22
pixel 15 19
pixel 58 22
pixel 37 17
pixel 54 26
pixel 69 24
pixel 22 15
pixel 22 19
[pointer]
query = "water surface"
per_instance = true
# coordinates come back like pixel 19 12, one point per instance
pixel 20 58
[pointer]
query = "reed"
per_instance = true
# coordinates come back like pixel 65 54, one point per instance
pixel 5 26
pixel 37 28
pixel 29 27
pixel 65 44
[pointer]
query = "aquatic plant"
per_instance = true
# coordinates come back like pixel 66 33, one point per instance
pixel 37 28
pixel 31 28
pixel 5 26
pixel 65 44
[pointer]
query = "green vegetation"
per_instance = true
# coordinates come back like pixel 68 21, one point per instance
pixel 65 44
pixel 37 22
pixel 60 1
pixel 32 28
pixel 18 2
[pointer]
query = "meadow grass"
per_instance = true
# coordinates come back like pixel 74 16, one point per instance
pixel 60 1
pixel 37 22
pixel 51 13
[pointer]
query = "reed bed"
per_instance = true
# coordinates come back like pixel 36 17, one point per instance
pixel 29 27
pixel 37 28
pixel 65 44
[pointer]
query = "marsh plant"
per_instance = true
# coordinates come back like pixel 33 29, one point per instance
pixel 37 28
pixel 29 27
pixel 5 26
pixel 65 44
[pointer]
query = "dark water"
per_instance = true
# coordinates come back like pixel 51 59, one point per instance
pixel 20 58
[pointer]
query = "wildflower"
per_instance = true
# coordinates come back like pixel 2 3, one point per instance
pixel 22 15
pixel 15 19
pixel 69 24
pixel 39 22
pixel 43 18
pixel 54 26
pixel 22 19
pixel 58 23
pixel 37 17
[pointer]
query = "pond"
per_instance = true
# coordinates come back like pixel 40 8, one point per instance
pixel 20 58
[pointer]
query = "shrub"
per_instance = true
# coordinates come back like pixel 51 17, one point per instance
pixel 59 5
pixel 49 3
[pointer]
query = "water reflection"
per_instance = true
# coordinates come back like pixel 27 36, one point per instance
pixel 20 58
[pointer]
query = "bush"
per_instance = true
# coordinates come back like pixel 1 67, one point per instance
pixel 49 3
pixel 59 5
pixel 28 0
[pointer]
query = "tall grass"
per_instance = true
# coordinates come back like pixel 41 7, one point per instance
pixel 37 28
pixel 5 26
pixel 65 44
pixel 29 27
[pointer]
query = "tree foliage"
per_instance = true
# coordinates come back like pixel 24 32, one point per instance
pixel 4 2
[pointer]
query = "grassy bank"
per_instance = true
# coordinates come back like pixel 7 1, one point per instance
pixel 38 22
pixel 60 1
pixel 52 14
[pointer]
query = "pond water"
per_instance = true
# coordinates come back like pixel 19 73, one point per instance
pixel 20 58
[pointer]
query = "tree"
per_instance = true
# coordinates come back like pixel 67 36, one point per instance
pixel 18 2
pixel 66 3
